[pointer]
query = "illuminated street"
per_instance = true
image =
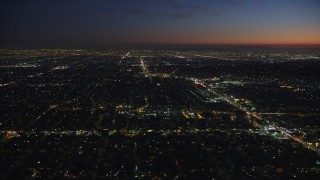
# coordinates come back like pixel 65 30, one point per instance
pixel 149 114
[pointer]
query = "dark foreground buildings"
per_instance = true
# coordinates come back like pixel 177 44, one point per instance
pixel 162 114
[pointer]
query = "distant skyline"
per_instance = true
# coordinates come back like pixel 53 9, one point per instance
pixel 102 23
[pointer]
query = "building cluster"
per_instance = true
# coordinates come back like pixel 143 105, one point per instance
pixel 161 114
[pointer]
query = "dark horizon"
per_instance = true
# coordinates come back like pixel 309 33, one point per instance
pixel 169 46
pixel 88 24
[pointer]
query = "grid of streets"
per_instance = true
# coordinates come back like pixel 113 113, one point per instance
pixel 168 114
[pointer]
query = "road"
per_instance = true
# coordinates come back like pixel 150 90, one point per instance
pixel 144 68
pixel 123 57
pixel 258 116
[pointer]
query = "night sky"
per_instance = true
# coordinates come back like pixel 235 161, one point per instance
pixel 99 23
